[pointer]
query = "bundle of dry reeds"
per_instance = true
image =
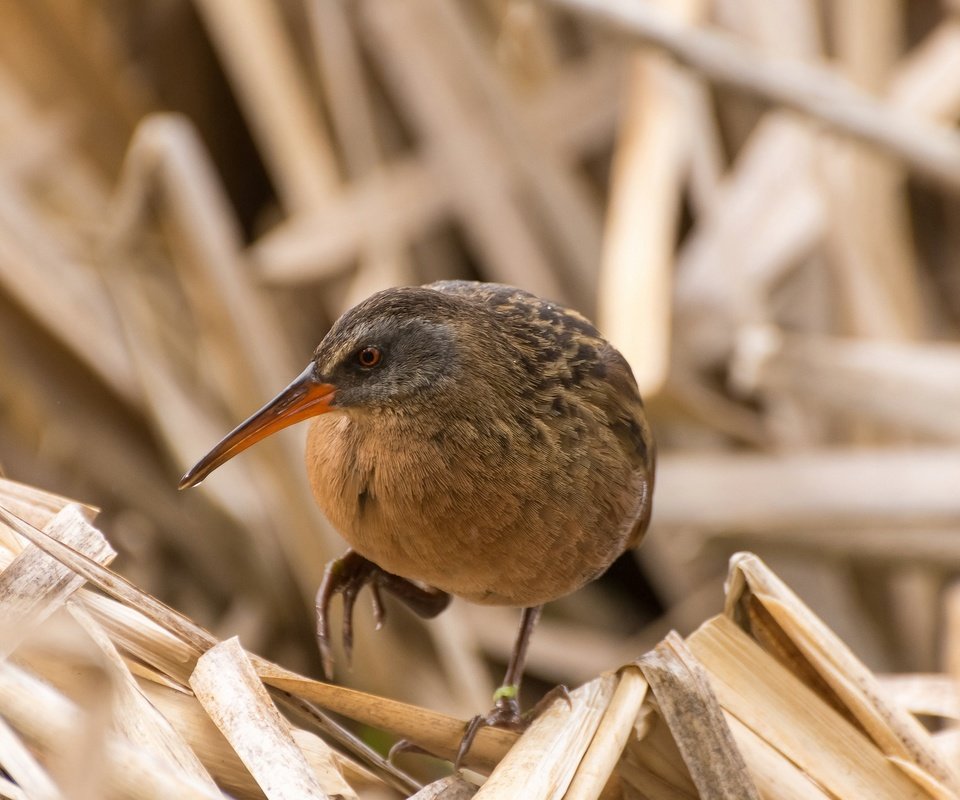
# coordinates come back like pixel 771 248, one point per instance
pixel 756 201
pixel 113 694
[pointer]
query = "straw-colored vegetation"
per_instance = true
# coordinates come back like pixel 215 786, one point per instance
pixel 756 201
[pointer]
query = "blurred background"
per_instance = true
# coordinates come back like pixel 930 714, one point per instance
pixel 767 225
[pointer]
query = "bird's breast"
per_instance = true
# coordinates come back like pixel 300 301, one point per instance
pixel 382 484
pixel 470 509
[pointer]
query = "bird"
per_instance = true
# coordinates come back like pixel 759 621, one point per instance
pixel 468 439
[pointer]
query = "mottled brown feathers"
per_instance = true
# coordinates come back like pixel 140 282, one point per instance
pixel 502 454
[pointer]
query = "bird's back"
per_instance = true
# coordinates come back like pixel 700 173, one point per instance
pixel 573 356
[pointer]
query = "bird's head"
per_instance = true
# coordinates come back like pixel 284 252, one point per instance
pixel 395 350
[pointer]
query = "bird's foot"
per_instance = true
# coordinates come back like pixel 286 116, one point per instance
pixel 406 746
pixel 347 575
pixel 506 714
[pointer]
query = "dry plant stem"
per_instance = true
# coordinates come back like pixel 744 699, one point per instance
pixel 260 58
pixel 167 166
pixel 195 726
pixel 875 234
pixel 118 96
pixel 133 715
pixel 10 791
pixel 19 763
pixel 951 654
pixel 111 583
pixel 937 548
pixel 578 114
pixel 320 245
pixel 707 156
pixel 907 385
pixel 868 59
pixel 453 787
pixel 596 768
pixel 50 721
pixel 433 732
pixel 227 686
pixel 688 705
pixel 772 702
pixel 921 85
pixel 815 91
pixel 36 148
pixel 766 217
pixel 914 589
pixel 951 649
pixel 931 695
pixel 385 261
pixel 196 638
pixel 525 47
pixel 341 73
pixel 55 284
pixel 458 144
pixel 579 109
pixel 32 587
pixel 898 734
pixel 54 404
pixel 635 280
pixel 948 743
pixel 36 506
pixel 711 407
pixel 541 764
pixel 154 644
pixel 873 263
pixel 775 775
pixel 790 28
pixel 651 763
pixel 561 197
pixel 874 489
pixel 86 67
pixel 769 213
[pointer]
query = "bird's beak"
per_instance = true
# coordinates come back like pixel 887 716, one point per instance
pixel 306 397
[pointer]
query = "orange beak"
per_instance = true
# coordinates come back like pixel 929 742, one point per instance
pixel 305 397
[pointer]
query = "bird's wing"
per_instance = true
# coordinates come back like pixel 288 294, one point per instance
pixel 618 398
pixel 584 361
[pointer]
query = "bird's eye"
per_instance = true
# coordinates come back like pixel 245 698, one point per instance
pixel 369 357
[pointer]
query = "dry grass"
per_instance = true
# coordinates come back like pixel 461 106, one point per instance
pixel 756 201
pixel 117 695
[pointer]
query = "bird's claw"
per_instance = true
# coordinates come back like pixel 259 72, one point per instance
pixel 504 714
pixel 379 612
pixel 406 746
pixel 347 575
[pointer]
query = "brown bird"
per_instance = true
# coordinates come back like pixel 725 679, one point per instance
pixel 470 439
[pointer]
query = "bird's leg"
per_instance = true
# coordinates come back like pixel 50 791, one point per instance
pixel 506 709
pixel 347 575
pixel 424 602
